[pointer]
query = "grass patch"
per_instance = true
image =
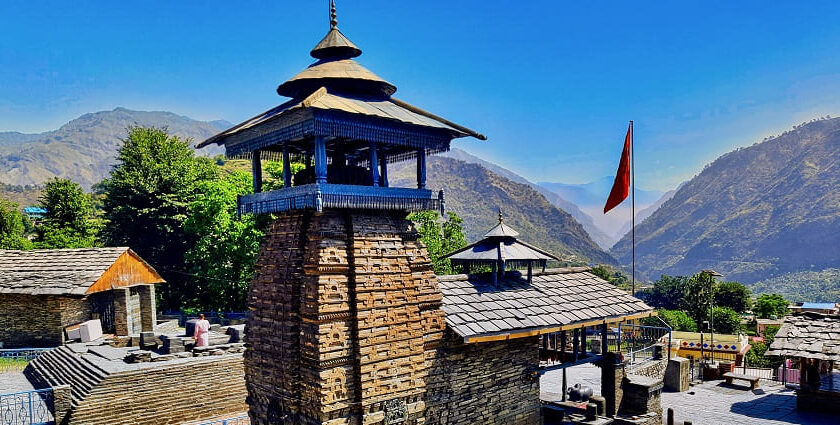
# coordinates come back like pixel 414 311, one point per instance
pixel 12 365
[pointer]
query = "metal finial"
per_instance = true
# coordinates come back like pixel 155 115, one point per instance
pixel 501 219
pixel 333 16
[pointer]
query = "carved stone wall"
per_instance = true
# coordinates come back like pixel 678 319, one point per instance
pixel 344 307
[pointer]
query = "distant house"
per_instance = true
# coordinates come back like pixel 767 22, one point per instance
pixel 44 291
pixel 762 324
pixel 35 214
pixel 821 308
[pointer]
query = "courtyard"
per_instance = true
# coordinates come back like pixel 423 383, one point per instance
pixel 709 403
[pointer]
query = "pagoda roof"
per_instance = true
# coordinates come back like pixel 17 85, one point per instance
pixel 324 99
pixel 500 244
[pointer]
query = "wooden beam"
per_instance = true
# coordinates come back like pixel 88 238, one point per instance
pixel 287 168
pixel 320 160
pixel 256 170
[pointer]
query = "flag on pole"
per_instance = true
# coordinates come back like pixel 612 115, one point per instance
pixel 621 186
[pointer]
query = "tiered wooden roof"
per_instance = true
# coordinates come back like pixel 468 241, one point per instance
pixel 478 309
pixel 72 271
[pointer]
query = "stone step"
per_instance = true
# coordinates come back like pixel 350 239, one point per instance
pixel 60 374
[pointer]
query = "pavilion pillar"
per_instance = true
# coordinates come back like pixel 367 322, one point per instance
pixel 562 348
pixel 604 340
pixel 256 170
pixel 421 168
pixel 287 168
pixel 374 170
pixel 383 171
pixel 583 341
pixel 530 272
pixel 320 160
pixel 575 344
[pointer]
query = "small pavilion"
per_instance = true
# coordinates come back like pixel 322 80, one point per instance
pixel 345 126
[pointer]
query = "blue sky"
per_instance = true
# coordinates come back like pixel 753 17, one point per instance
pixel 551 83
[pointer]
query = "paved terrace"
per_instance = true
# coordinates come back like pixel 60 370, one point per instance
pixel 709 403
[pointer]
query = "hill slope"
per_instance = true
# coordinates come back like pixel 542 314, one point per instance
pixel 84 148
pixel 754 213
pixel 808 286
pixel 602 239
pixel 476 193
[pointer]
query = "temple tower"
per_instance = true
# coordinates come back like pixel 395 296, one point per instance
pixel 345 308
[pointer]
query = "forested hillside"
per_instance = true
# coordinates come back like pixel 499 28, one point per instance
pixel 754 213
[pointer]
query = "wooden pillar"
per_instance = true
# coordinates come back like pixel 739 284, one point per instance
pixel 495 275
pixel 604 341
pixel 421 168
pixel 374 169
pixel 383 171
pixel 256 170
pixel 320 160
pixel 562 348
pixel 287 168
pixel 583 341
pixel 530 272
pixel 575 344
pixel 564 384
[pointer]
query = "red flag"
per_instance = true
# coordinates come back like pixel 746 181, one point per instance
pixel 621 186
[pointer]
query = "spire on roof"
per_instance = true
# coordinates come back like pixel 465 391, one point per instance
pixel 333 16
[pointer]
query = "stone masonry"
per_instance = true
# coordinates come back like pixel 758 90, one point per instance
pixel 483 383
pixel 345 311
pixel 38 321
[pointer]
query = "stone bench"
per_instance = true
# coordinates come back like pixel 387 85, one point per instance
pixel 730 376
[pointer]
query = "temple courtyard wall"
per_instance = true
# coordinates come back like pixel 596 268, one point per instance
pixel 39 320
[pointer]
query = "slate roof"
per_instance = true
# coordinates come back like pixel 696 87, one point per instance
pixel 54 271
pixel 808 335
pixel 557 297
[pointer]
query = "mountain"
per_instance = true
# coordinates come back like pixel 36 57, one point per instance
pixel 592 196
pixel 645 213
pixel 808 286
pixel 755 213
pixel 476 194
pixel 84 148
pixel 602 239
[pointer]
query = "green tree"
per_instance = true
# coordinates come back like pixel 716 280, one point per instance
pixel 768 305
pixel 222 259
pixel 274 174
pixel 726 320
pixel 611 275
pixel 733 295
pixel 12 227
pixel 697 298
pixel 156 177
pixel 440 239
pixel 667 292
pixel 676 319
pixel 68 221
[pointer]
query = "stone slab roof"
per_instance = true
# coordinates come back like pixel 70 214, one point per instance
pixel 808 335
pixel 55 271
pixel 556 299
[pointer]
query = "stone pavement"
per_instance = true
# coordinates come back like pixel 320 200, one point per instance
pixel 709 403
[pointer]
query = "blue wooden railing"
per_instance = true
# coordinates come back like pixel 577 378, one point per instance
pixel 21 354
pixel 27 408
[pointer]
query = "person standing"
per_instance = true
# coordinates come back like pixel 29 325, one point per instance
pixel 202 332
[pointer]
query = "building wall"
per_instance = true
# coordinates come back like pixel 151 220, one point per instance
pixel 38 320
pixel 483 383
pixel 344 306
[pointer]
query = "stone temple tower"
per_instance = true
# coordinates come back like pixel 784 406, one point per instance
pixel 345 308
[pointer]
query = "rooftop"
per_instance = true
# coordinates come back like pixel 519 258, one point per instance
pixel 565 298
pixel 808 335
pixel 72 271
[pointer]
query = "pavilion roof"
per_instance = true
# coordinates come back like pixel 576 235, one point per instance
pixel 808 335
pixel 557 299
pixel 500 244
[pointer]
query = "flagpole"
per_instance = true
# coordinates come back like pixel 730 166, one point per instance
pixel 633 204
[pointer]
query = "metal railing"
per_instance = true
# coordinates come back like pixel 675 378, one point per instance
pixel 22 354
pixel 238 420
pixel 642 343
pixel 27 408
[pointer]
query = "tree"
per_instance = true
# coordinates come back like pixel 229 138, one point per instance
pixel 726 320
pixel 768 305
pixel 611 275
pixel 146 203
pixel 667 292
pixel 12 227
pixel 68 221
pixel 733 295
pixel 697 297
pixel 223 257
pixel 440 239
pixel 274 174
pixel 676 319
